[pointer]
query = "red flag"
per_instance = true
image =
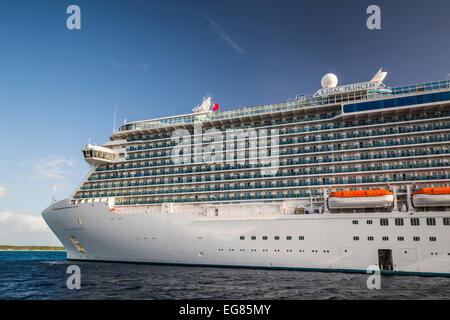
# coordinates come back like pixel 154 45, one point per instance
pixel 216 107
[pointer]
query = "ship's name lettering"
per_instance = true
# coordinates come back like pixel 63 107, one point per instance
pixel 352 87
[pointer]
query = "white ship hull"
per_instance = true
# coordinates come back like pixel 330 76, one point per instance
pixel 431 200
pixel 197 239
pixel 360 202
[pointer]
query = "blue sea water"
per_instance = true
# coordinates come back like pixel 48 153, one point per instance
pixel 42 275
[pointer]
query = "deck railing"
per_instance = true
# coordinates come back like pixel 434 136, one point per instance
pixel 289 105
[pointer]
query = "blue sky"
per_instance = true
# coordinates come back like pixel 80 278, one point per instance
pixel 58 87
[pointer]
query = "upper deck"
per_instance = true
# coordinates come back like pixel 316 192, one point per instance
pixel 365 95
pixel 360 135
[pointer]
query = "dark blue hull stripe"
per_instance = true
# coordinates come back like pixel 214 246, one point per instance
pixel 385 272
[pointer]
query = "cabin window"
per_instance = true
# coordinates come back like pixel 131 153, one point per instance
pixel 446 221
pixel 369 221
pixel 264 237
pixel 288 238
pixel 276 238
pixel 431 221
pixel 370 238
pixel 301 238
pixel 356 238
pixel 242 238
pixel 355 221
pixel 432 238
pixel 385 238
pixel 416 238
pixel 384 222
pixel 398 221
pixel 400 238
pixel 415 221
pixel 253 237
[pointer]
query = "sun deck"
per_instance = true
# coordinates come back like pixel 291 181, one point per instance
pixel 300 102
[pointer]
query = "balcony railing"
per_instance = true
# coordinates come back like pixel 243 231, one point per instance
pixel 293 162
pixel 209 185
pixel 285 194
pixel 310 151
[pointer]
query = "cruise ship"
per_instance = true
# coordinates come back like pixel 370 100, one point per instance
pixel 351 177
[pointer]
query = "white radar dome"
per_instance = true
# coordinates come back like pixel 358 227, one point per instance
pixel 329 81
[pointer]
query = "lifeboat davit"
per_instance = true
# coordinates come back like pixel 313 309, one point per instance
pixel 432 197
pixel 375 198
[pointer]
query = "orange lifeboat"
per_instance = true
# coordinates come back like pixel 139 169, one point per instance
pixel 374 198
pixel 360 193
pixel 440 190
pixel 432 197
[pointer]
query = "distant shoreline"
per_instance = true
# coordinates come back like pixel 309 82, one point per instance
pixel 30 248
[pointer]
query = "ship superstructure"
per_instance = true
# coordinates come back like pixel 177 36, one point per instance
pixel 267 186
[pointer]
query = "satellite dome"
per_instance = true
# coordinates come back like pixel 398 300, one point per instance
pixel 329 81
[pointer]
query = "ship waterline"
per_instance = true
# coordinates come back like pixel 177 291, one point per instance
pixel 329 182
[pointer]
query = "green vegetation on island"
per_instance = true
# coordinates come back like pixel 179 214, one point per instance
pixel 30 248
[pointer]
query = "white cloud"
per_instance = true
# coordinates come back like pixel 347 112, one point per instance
pixel 53 167
pixel 22 222
pixel 2 192
pixel 221 33
pixel 23 229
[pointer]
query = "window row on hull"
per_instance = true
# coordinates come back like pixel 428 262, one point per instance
pixel 218 168
pixel 310 137
pixel 333 181
pixel 288 159
pixel 282 174
pixel 215 198
pixel 398 102
pixel 280 150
